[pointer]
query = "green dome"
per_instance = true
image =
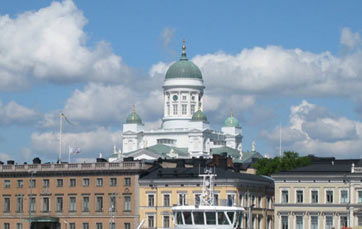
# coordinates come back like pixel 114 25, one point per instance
pixel 231 122
pixel 199 116
pixel 183 68
pixel 134 118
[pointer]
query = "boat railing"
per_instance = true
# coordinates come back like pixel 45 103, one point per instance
pixel 218 202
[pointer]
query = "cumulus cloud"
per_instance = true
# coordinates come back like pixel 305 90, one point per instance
pixel 90 142
pixel 15 114
pixel 50 45
pixel 350 39
pixel 311 131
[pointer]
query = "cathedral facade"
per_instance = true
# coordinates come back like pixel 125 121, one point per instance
pixel 185 131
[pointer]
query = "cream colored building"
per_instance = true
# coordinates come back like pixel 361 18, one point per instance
pixel 165 187
pixel 327 194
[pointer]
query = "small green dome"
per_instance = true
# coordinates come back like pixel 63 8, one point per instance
pixel 199 116
pixel 231 122
pixel 183 68
pixel 134 118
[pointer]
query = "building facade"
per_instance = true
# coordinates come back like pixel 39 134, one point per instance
pixel 166 187
pixel 85 196
pixel 184 125
pixel 326 194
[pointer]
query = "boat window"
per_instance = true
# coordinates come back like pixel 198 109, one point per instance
pixel 231 216
pixel 210 218
pixel 221 219
pixel 187 217
pixel 178 218
pixel 199 218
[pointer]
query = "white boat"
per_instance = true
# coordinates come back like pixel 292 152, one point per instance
pixel 207 214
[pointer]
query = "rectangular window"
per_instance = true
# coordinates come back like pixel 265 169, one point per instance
pixel 344 221
pixel 59 205
pixel 259 201
pixel 299 222
pixel 32 183
pixel 99 182
pixel 197 199
pixel 192 110
pixel 166 200
pixel 151 200
pixel 127 203
pixel 71 225
pixel 19 226
pixel 46 204
pixel 314 222
pixel 359 220
pixel 231 199
pixel 19 204
pixel 216 199
pixel 299 196
pixel 269 202
pixel 6 225
pixel 72 204
pixel 7 183
pixel 46 183
pixel 241 199
pixel 329 195
pixel 85 204
pixel 127 181
pixel 151 221
pixel 112 225
pixel 314 197
pixel 112 203
pixel 127 226
pixel 86 182
pixel 285 196
pixel 285 222
pixel 99 203
pixel 113 181
pixel 20 183
pixel 184 109
pixel 359 196
pixel 174 109
pixel 99 225
pixel 32 204
pixel 182 199
pixel 184 97
pixel 168 109
pixel 329 222
pixel 85 225
pixel 344 196
pixel 6 204
pixel 59 182
pixel 72 183
pixel 166 221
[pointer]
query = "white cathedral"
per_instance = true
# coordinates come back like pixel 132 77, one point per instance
pixel 185 131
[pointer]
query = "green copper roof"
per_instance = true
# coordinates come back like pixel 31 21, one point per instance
pixel 199 116
pixel 231 122
pixel 183 68
pixel 225 149
pixel 134 118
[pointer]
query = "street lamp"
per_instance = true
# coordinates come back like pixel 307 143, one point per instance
pixel 32 172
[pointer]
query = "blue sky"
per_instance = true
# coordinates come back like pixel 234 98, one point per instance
pixel 294 63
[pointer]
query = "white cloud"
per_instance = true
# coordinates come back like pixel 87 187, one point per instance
pixel 91 143
pixel 167 36
pixel 312 130
pixel 15 114
pixel 50 45
pixel 350 39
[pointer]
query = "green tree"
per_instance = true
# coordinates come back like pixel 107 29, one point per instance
pixel 289 161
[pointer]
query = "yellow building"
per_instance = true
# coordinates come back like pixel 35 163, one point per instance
pixel 163 188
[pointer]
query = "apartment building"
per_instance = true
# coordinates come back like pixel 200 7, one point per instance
pixel 162 188
pixel 98 195
pixel 326 194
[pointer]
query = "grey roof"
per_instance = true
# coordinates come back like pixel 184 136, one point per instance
pixel 193 173
pixel 160 150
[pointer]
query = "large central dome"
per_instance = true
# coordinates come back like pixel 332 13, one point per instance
pixel 183 68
